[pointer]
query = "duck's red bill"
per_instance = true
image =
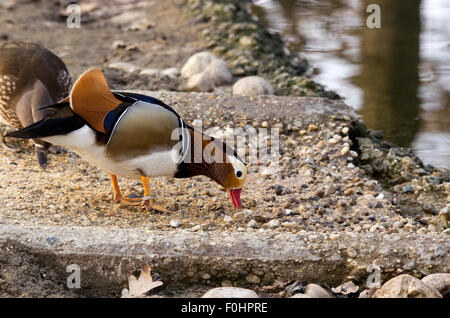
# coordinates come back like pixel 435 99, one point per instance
pixel 235 196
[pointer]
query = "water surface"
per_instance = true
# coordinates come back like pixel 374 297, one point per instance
pixel 397 77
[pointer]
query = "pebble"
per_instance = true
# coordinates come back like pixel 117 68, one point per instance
pixel 316 291
pixel 206 276
pixel 252 86
pixel 228 219
pixel 252 224
pixel 406 286
pixel 150 72
pixel 408 189
pixel 274 224
pixel 345 150
pixel 252 279
pixel 197 63
pixel 175 223
pixel 440 282
pixel 171 72
pixel 230 292
pixel 351 252
pixel 118 44
pixel 124 66
pixel 397 225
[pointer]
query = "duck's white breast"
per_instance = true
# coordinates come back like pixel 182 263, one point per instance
pixel 83 142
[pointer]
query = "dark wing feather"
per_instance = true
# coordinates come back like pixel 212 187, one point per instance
pixel 62 121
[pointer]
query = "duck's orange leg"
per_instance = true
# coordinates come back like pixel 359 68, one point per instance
pixel 118 197
pixel 147 203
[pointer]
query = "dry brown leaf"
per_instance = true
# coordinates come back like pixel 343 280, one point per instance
pixel 139 287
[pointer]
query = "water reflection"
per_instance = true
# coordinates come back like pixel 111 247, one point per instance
pixel 389 75
pixel 397 77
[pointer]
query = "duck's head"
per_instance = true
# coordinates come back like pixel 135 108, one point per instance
pixel 233 180
pixel 218 162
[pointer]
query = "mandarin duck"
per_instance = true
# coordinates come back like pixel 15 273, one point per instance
pixel 135 136
pixel 30 77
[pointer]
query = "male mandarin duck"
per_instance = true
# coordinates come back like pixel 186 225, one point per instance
pixel 135 136
pixel 30 77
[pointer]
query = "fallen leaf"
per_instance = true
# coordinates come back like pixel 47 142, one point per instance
pixel 139 287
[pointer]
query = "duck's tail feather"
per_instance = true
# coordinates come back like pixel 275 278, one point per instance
pixel 49 127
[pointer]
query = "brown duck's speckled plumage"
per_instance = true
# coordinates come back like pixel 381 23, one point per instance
pixel 30 77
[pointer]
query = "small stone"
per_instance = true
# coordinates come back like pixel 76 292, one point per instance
pixel 440 282
pixel 279 189
pixel 351 252
pixel 124 66
pixel 345 130
pixel 252 224
pixel 368 293
pixel 316 291
pixel 197 63
pixel 408 189
pixel 206 276
pixel 406 286
pixel 230 292
pixel 397 225
pixel 264 124
pixel 335 236
pixel 150 72
pixel 228 219
pixel 274 224
pixel 346 288
pixel 252 279
pixel 252 86
pixel 429 209
pixel 118 44
pixel 330 189
pixel 175 223
pixel 171 72
pixel 300 295
pixel 312 127
pixel 200 82
pixel 345 150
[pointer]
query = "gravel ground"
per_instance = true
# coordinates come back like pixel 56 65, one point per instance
pixel 315 187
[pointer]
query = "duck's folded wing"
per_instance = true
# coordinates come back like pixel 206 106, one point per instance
pixel 142 129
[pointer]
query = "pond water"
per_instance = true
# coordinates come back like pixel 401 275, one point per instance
pixel 397 77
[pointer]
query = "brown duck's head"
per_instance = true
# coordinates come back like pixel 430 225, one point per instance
pixel 218 162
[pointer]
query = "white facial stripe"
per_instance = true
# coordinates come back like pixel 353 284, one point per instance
pixel 237 164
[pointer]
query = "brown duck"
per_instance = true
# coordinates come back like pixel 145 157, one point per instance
pixel 30 77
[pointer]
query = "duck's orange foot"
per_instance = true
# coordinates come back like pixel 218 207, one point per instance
pixel 131 198
pixel 148 206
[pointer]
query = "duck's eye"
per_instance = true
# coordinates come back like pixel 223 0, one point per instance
pixel 239 173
